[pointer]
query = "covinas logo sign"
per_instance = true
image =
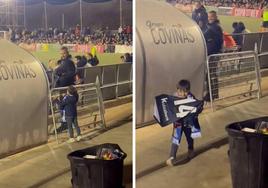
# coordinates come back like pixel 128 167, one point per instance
pixel 173 34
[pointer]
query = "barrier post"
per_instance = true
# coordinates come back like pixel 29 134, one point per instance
pixel 117 80
pixel 53 116
pixel 209 84
pixel 258 73
pixel 234 72
pixel 130 78
pixel 100 101
pixel 53 79
pixel 102 76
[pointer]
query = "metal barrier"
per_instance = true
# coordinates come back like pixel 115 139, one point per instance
pixel 233 74
pixel 115 80
pixel 249 41
pixel 257 42
pixel 263 58
pixel 263 54
pixel 90 102
pixel 50 77
pixel 263 43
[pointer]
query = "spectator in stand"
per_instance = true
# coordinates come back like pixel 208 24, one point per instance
pixel 66 69
pixel 128 30
pixel 131 57
pixel 200 15
pixel 120 30
pixel 81 62
pixel 229 42
pixel 239 28
pixel 87 32
pixel 225 3
pixel 234 25
pixel 125 29
pixel 73 36
pixel 242 27
pixel 128 58
pixel 92 60
pixel 77 30
pixel 51 65
pixel 122 58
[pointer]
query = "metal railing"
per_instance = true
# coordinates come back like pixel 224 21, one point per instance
pixel 90 101
pixel 233 74
pixel 115 80
pixel 247 41
pixel 243 68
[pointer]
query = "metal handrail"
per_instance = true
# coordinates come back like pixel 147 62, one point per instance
pixel 86 87
pixel 117 83
pixel 217 58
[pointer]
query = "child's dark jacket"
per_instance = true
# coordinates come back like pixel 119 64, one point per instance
pixel 68 104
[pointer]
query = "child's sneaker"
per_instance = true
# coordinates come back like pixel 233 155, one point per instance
pixel 78 138
pixel 170 161
pixel 71 140
pixel 190 153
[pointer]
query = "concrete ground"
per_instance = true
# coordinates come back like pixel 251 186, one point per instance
pixel 47 165
pixel 210 168
pixel 207 170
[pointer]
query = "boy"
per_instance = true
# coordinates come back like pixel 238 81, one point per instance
pixel 188 124
pixel 68 105
pixel 81 63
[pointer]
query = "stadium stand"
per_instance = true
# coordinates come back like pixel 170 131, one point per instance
pixel 225 3
pixel 73 36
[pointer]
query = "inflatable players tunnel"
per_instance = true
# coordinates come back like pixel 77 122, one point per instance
pixel 23 98
pixel 169 46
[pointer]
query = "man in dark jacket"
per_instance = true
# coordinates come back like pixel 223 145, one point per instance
pixel 214 40
pixel 66 70
pixel 213 34
pixel 200 15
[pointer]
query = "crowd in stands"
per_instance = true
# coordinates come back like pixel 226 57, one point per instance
pixel 250 4
pixel 122 36
pixel 65 69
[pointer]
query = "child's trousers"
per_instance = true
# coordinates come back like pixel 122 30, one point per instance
pixel 187 131
pixel 72 121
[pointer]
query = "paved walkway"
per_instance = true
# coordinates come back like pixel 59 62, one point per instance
pixel 153 146
pixel 48 166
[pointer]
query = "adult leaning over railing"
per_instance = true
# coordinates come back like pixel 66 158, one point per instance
pixel 66 70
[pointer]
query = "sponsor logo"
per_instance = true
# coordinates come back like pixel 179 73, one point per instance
pixel 16 70
pixel 173 34
pixel 164 106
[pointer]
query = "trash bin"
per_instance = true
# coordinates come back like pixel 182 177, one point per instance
pixel 96 172
pixel 248 154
